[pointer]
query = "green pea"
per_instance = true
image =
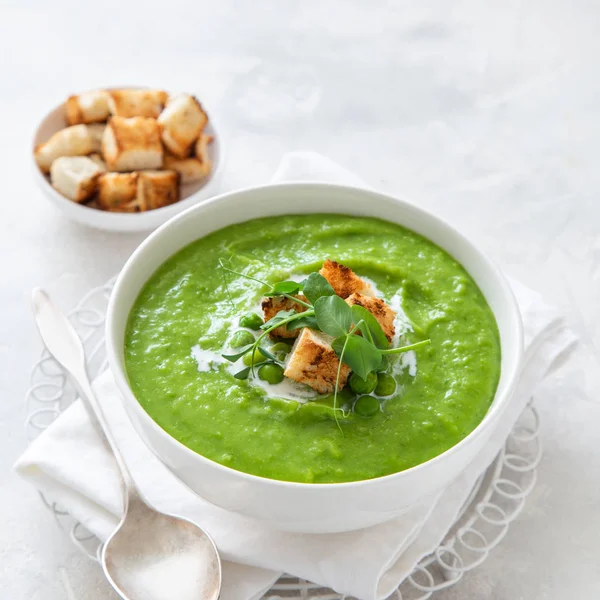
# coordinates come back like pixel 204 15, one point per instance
pixel 345 396
pixel 259 357
pixel 386 385
pixel 251 321
pixel 363 386
pixel 280 350
pixel 241 338
pixel 271 373
pixel 366 406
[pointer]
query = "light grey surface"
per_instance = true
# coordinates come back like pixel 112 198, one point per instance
pixel 486 112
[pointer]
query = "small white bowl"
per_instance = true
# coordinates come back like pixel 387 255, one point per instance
pixel 191 193
pixel 306 507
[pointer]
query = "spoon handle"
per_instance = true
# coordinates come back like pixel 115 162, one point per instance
pixel 64 345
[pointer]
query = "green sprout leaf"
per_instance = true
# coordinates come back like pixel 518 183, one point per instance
pixel 268 354
pixel 282 315
pixel 243 374
pixel 360 355
pixel 285 287
pixel 372 324
pixel 300 322
pixel 316 286
pixel 333 315
pixel 240 352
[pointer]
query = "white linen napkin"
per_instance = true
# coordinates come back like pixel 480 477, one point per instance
pixel 69 464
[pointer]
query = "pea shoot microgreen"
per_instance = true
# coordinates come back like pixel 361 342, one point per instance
pixel 315 286
pixel 309 321
pixel 329 313
pixel 276 321
pixel 243 374
pixel 334 316
pixel 285 287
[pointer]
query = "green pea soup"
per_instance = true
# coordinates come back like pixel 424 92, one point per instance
pixel 189 310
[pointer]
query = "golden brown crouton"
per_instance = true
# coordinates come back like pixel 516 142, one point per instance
pixel 190 169
pixel 75 177
pixel 117 192
pixel 379 309
pixel 343 280
pixel 313 362
pixel 136 103
pixel 132 144
pixel 89 107
pixel 182 122
pixel 272 305
pixel 77 140
pixel 157 189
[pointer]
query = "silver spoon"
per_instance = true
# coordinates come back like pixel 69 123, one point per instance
pixel 151 555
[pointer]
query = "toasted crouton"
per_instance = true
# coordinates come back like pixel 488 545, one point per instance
pixel 157 189
pixel 136 103
pixel 117 192
pixel 75 177
pixel 193 168
pixel 89 107
pixel 343 280
pixel 312 361
pixel 77 140
pixel 97 158
pixel 182 122
pixel 132 144
pixel 190 169
pixel 272 305
pixel 379 309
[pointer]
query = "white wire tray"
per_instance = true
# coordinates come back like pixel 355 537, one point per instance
pixel 495 501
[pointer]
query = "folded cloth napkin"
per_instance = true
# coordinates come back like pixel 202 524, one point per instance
pixel 69 464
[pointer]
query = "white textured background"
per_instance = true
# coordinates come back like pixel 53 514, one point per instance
pixel 486 112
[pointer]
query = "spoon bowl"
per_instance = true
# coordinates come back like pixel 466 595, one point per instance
pixel 156 556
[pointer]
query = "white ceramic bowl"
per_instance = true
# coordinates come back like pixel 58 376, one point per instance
pixel 191 193
pixel 310 508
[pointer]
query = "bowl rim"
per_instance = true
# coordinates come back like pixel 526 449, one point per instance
pixel 139 220
pixel 498 404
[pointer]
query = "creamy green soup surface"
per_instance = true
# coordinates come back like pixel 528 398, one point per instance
pixel 183 318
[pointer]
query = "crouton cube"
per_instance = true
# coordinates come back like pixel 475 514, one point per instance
pixel 75 177
pixel 132 144
pixel 117 192
pixel 379 309
pixel 136 103
pixel 190 169
pixel 343 280
pixel 272 305
pixel 89 107
pixel 312 361
pixel 77 140
pixel 97 158
pixel 157 189
pixel 182 122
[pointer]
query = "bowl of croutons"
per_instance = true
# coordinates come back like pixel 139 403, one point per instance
pixel 127 159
